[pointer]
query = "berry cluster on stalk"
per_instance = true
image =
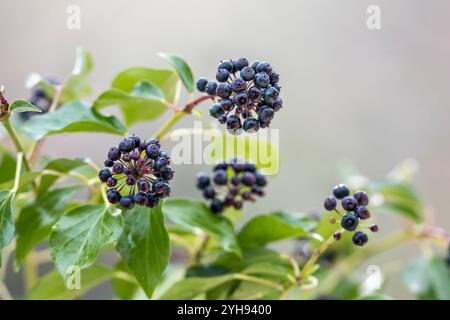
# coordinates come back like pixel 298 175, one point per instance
pixel 355 210
pixel 231 184
pixel 248 94
pixel 137 172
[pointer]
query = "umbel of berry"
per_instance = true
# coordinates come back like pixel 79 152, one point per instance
pixel 231 184
pixel 248 94
pixel 137 172
pixel 355 210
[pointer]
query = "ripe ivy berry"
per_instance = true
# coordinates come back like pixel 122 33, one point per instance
pixel 251 125
pixel 220 177
pixel 247 73
pixel 211 88
pixel 223 90
pixel 349 222
pixel 126 145
pixel 201 84
pixel 362 198
pixel 238 84
pixel 222 75
pixel 216 111
pixel 362 212
pixel 360 238
pixel 262 79
pixel 341 191
pixel 349 203
pixel 330 203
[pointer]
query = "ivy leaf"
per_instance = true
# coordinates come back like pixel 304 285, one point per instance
pixel 275 226
pixel 80 234
pixel 60 166
pixel 144 246
pixel 195 214
pixel 144 102
pixel 400 197
pixel 6 220
pixel 166 80
pixel 191 287
pixel 124 288
pixel 76 85
pixel 182 68
pixel 35 220
pixel 428 279
pixel 25 180
pixel 7 166
pixel 24 106
pixel 375 297
pixel 53 287
pixel 74 116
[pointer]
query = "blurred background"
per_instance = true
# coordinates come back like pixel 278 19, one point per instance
pixel 352 95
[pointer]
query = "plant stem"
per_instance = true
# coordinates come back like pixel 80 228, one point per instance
pixel 309 265
pixel 18 170
pixel 197 255
pixel 245 277
pixel 177 116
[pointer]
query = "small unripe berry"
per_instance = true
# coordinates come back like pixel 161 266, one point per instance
pixel 374 228
pixel 337 235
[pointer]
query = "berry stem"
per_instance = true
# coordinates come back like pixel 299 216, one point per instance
pixel 177 116
pixel 309 265
pixel 18 170
pixel 246 277
pixel 15 138
pixel 197 255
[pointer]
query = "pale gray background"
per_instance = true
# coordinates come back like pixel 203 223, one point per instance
pixel 375 97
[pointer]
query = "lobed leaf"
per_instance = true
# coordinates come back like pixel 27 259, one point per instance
pixel 182 68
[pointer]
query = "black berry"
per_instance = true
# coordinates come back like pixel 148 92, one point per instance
pixel 362 212
pixel 349 222
pixel 341 191
pixel 201 84
pixel 349 203
pixel 362 198
pixel 216 111
pixel 330 203
pixel 222 75
pixel 104 174
pixel 360 238
pixel 126 145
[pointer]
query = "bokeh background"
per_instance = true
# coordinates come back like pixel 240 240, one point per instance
pixel 352 95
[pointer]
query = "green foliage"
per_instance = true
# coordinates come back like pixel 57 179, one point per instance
pixel 24 106
pixel 6 219
pixel 74 116
pixel 195 214
pixel 80 234
pixel 182 68
pixel 144 246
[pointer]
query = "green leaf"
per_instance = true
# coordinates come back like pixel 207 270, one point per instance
pixel 166 80
pixel 275 226
pixel 144 246
pixel 61 166
pixel 24 106
pixel 73 117
pixel 6 219
pixel 182 68
pixel 125 289
pixel 80 234
pixel 25 180
pixel 195 214
pixel 375 297
pixel 144 102
pixel 76 85
pixel 35 220
pixel 428 279
pixel 400 197
pixel 7 166
pixel 53 287
pixel 254 291
pixel 189 288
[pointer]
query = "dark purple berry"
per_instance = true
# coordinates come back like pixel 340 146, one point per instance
pixel 111 182
pixel 233 122
pixel 211 88
pixel 277 105
pixel 130 180
pixel 126 145
pixel 349 203
pixel 209 192
pixel 255 94
pixel 222 75
pixel 216 111
pixel 127 202
pixel 235 180
pixel 220 177
pixel 201 84
pixel 167 173
pixel 227 65
pixel 337 235
pixel 247 73
pixel 362 198
pixel 135 155
pixel 374 228
pixel 220 166
pixel 261 180
pixel 223 90
pixel 341 191
pixel 362 212
pixel 240 63
pixel 330 203
pixel 160 162
pixel 216 206
pixel 141 198
pixel 126 157
pixel 360 238
pixel 152 150
pixel 114 154
pixel 274 77
pixel 271 95
pixel 251 125
pixel 104 174
pixel 241 99
pixel 255 64
pixel 113 196
pixel 152 200
pixel 143 185
pixel 264 67
pixel 202 181
pixel 238 84
pixel 238 205
pixel 265 114
pixel 349 222
pixel 108 163
pixel 262 79
pixel 117 168
pixel 136 139
pixel 227 104
pixel 248 178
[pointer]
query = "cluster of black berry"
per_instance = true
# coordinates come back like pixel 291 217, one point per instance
pixel 40 99
pixel 232 184
pixel 356 210
pixel 255 89
pixel 137 172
